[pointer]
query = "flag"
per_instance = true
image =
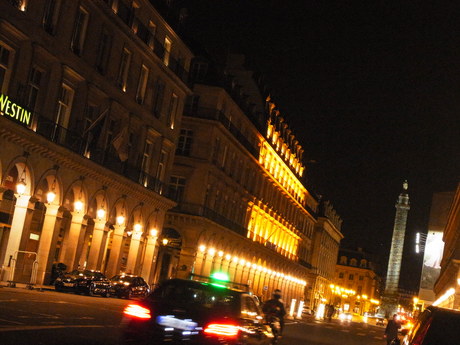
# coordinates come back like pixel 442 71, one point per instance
pixel 121 143
pixel 93 132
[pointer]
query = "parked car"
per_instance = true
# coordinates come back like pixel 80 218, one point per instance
pixel 83 281
pixel 196 313
pixel 435 326
pixel 307 311
pixel 128 286
pixel 348 317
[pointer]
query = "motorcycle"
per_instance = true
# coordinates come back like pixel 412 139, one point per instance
pixel 275 325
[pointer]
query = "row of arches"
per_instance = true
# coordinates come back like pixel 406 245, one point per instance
pixel 56 214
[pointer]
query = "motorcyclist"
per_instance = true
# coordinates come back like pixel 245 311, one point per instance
pixel 275 307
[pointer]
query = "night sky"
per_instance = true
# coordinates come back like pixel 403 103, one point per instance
pixel 372 91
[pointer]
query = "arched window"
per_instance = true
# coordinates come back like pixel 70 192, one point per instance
pixel 353 262
pixel 343 260
pixel 363 263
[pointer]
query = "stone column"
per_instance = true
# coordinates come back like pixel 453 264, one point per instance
pixel 133 251
pixel 47 237
pixel 149 259
pixel 69 250
pixel 97 242
pixel 186 260
pixel 113 266
pixel 22 216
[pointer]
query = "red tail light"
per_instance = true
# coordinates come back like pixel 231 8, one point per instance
pixel 227 330
pixel 137 311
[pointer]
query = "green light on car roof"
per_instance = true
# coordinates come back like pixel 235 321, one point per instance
pixel 221 276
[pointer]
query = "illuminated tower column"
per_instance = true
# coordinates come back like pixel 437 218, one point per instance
pixel 397 242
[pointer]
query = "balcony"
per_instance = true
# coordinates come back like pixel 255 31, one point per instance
pixel 104 157
pixel 202 211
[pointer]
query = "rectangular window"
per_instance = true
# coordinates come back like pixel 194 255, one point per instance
pixel 172 110
pixel 64 105
pixel 79 31
pixel 5 71
pixel 161 166
pixel 124 69
pixel 177 188
pixel 167 53
pixel 153 30
pixel 142 85
pixel 104 52
pixel 91 114
pixel 158 97
pixel 185 142
pixel 51 15
pixel 351 277
pixel 146 156
pixel 33 87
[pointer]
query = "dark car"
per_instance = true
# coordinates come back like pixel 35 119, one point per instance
pixel 128 286
pixel 435 326
pixel 83 281
pixel 195 313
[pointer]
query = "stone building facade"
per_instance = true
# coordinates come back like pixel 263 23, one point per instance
pixel 242 206
pixel 92 94
pixel 357 285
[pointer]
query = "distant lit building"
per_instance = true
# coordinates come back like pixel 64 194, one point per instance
pixel 92 94
pixel 447 286
pixel 356 284
pixel 326 242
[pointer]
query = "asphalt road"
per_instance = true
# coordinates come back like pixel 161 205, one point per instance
pixel 31 317
pixel 48 317
pixel 314 332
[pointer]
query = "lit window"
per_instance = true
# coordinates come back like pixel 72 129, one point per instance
pixel 167 52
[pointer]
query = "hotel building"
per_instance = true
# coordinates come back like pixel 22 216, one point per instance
pixel 92 94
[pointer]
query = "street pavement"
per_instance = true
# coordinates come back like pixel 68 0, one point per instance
pixel 41 316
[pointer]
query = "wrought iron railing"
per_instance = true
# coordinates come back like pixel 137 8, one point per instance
pixel 202 211
pixel 105 157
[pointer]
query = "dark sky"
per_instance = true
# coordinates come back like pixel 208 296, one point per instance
pixel 372 91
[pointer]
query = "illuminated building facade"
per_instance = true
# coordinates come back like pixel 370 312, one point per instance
pixel 325 248
pixel 92 93
pixel 433 245
pixel 242 207
pixel 447 287
pixel 356 287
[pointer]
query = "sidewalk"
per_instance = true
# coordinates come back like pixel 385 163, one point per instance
pixel 27 286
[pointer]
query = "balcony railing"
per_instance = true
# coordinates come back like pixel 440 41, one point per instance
pixel 202 211
pixel 213 114
pixel 104 157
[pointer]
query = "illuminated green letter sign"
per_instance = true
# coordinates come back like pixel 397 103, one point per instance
pixel 13 111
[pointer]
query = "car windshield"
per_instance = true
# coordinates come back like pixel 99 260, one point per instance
pixel 197 295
